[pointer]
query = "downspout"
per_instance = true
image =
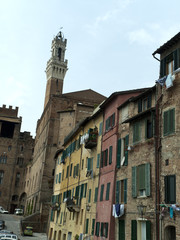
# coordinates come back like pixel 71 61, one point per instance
pixel 157 147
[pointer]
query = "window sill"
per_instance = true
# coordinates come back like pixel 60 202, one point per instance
pixel 142 196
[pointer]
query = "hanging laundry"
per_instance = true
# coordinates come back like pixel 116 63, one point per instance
pixel 169 81
pixel 177 70
pixel 114 211
pixel 162 80
pixel 117 207
pixel 121 210
pixel 171 212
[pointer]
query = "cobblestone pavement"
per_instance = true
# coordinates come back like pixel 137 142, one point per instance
pixel 12 223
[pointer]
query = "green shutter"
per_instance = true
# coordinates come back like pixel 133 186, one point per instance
pixel 163 67
pixel 141 183
pixel 98 160
pixel 96 194
pixel 77 169
pixel 93 224
pixel 97 229
pixel 102 228
pixel 59 177
pixel 87 225
pixel 134 188
pixel 74 173
pixel 89 199
pixel 100 128
pixel 119 153
pixel 110 155
pixel 106 233
pixel 82 190
pixel 113 119
pixel 106 157
pixel 148 230
pixel 108 190
pixel 175 58
pixel 125 190
pixel 149 100
pixel 172 120
pixel 67 172
pixel 147 179
pixel 117 191
pixel 85 189
pixel 102 191
pixel 102 159
pixel 77 192
pixel 133 230
pixel 89 164
pixel 165 122
pixel 122 229
pixel 70 170
pixel 126 150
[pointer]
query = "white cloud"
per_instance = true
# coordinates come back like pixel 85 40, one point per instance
pixel 140 36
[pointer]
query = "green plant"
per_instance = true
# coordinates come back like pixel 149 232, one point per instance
pixel 77 237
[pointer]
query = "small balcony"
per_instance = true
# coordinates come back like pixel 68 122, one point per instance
pixel 91 142
pixel 73 205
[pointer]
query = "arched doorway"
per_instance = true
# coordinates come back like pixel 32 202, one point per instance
pixel 170 233
pixel 22 200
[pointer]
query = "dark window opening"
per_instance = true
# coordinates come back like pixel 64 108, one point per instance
pixel 7 129
pixel 59 53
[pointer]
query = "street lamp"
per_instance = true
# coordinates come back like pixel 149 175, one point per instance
pixel 141 209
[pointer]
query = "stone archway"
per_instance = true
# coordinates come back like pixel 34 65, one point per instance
pixel 170 233
pixel 22 200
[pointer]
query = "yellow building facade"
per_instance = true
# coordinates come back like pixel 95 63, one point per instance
pixel 73 210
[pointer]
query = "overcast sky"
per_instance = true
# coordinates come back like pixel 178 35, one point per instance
pixel 109 47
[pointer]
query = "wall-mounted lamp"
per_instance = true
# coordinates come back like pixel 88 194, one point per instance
pixel 88 207
pixel 141 209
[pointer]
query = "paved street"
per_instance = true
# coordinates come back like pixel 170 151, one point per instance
pixel 12 223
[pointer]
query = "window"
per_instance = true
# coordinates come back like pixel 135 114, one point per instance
pixel 121 191
pixel 104 230
pixel 17 179
pixel 170 63
pixel 108 190
pixel 170 189
pixel 100 128
pixel 140 230
pixel 104 158
pixel 76 171
pixel 122 229
pixel 141 180
pixel 20 161
pixel 96 194
pixel 56 178
pixel 110 122
pixel 89 198
pixel 90 164
pixel 3 158
pixel 67 172
pixel 149 128
pixel 71 169
pixel 82 166
pixel 169 121
pixel 59 177
pixel 63 175
pixel 122 151
pixel 97 229
pixel 93 225
pixel 136 132
pixel 87 225
pixel 144 103
pixel 98 160
pixel 110 155
pixel 102 191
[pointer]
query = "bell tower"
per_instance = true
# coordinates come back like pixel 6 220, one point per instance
pixel 56 68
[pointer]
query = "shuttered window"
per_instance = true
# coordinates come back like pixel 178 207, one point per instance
pixel 102 229
pixel 59 177
pixel 102 191
pixel 121 191
pixel 96 194
pixel 133 230
pixel 87 225
pixel 67 172
pixel 93 225
pixel 170 189
pixel 118 164
pixel 122 229
pixel 108 190
pixel 110 122
pixel 136 132
pixel 126 150
pixel 141 180
pixel 110 155
pixel 97 229
pixel 100 128
pixel 98 160
pixel 106 157
pixel 85 189
pixel 89 198
pixel 70 170
pixel 169 122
